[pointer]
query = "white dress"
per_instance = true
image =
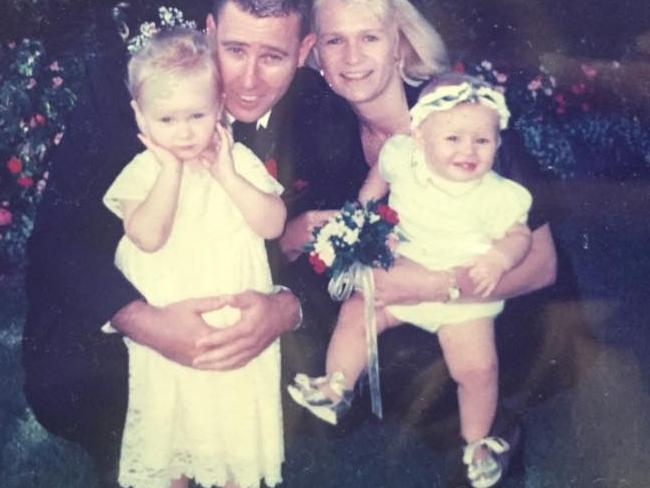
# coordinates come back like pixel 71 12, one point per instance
pixel 446 224
pixel 211 426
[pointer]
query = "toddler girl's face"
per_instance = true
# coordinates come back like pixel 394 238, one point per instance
pixel 459 144
pixel 179 112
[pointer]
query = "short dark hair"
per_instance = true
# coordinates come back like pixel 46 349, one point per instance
pixel 271 8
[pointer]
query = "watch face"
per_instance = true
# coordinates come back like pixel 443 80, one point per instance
pixel 454 293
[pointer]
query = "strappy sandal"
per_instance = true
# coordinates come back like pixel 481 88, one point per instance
pixel 483 459
pixel 307 392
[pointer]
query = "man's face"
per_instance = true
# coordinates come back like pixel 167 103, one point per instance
pixel 257 58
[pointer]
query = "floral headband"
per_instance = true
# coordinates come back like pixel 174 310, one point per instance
pixel 170 17
pixel 446 97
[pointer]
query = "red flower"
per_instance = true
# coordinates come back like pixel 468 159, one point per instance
pixel 5 217
pixel 458 68
pixel 37 120
pixel 317 263
pixel 14 165
pixel 25 181
pixel 388 214
pixel 272 167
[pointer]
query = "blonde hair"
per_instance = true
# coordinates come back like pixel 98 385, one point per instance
pixel 178 51
pixel 422 52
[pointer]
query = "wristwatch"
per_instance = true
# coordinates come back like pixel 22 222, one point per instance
pixel 453 290
pixel 279 289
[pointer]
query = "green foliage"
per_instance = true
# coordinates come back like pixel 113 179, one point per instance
pixel 36 94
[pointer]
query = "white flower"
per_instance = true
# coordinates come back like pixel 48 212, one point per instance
pixel 486 64
pixel 351 236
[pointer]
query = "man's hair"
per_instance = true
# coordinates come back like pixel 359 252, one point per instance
pixel 271 8
pixel 177 51
pixel 422 50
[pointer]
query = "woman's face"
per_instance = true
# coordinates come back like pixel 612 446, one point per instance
pixel 356 49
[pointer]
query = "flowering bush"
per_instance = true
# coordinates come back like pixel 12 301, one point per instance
pixel 356 235
pixel 571 128
pixel 34 99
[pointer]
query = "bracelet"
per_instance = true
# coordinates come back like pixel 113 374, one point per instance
pixel 281 288
pixel 453 290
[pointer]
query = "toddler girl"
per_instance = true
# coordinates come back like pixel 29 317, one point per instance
pixel 196 210
pixel 454 211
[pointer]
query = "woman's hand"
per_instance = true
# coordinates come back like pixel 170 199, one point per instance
pixel 408 283
pixel 298 231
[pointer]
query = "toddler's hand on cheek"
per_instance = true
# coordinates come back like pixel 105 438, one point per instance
pixel 165 157
pixel 218 158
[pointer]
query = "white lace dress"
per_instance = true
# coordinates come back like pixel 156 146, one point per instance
pixel 211 426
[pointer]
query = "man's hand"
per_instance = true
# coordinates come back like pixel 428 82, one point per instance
pixel 263 319
pixel 173 331
pixel 298 231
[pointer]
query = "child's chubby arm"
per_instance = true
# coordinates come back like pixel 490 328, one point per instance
pixel 375 187
pixel 148 223
pixel 264 212
pixel 505 254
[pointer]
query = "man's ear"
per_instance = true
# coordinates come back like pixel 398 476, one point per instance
pixel 306 45
pixel 139 118
pixel 210 25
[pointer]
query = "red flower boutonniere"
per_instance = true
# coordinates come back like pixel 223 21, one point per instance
pixel 272 167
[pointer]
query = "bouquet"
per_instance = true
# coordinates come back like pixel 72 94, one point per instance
pixel 357 236
pixel 346 248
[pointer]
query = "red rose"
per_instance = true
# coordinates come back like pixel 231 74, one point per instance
pixel 317 263
pixel 38 120
pixel 25 181
pixel 5 217
pixel 458 68
pixel 388 214
pixel 14 165
pixel 272 167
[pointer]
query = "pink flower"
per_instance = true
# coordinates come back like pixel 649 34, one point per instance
pixel 559 98
pixel 317 263
pixel 11 45
pixel 31 83
pixel 25 181
pixel 535 84
pixel 579 88
pixel 57 81
pixel 55 66
pixel 57 138
pixel 37 120
pixel 5 217
pixel 589 71
pixel 14 165
pixel 501 77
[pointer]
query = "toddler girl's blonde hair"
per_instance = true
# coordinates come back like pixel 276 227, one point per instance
pixel 178 51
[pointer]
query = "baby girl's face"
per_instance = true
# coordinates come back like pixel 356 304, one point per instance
pixel 460 143
pixel 179 112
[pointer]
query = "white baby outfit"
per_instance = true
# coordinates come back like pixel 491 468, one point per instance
pixel 211 426
pixel 446 224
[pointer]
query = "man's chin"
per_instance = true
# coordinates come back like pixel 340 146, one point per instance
pixel 247 114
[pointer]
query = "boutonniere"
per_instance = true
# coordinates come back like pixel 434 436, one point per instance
pixel 272 167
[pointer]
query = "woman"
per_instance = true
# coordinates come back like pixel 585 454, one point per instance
pixel 372 53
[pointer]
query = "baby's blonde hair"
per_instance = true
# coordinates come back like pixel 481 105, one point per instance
pixel 178 51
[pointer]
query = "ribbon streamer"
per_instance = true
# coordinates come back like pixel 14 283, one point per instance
pixel 340 287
